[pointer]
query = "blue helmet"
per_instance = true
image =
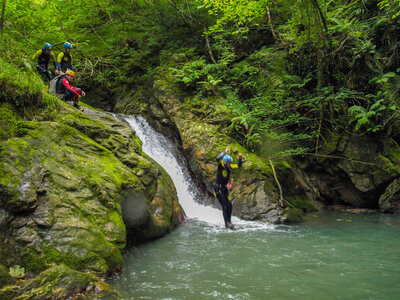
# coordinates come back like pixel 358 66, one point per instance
pixel 227 158
pixel 47 46
pixel 67 45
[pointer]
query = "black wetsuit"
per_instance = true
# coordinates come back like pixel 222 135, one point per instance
pixel 221 189
pixel 43 59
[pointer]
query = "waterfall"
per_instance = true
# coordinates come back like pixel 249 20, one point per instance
pixel 164 152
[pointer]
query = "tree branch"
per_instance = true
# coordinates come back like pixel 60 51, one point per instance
pixel 184 16
pixel 281 202
pixel 2 17
pixel 321 14
pixel 209 47
pixel 270 23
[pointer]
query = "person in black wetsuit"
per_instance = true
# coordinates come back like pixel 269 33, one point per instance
pixel 44 56
pixel 221 188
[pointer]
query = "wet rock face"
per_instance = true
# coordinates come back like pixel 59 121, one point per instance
pixel 390 199
pixel 134 210
pixel 355 171
pixel 253 203
pixel 62 184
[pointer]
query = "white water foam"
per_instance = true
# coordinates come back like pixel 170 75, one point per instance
pixel 159 148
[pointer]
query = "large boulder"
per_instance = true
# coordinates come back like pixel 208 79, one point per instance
pixel 62 184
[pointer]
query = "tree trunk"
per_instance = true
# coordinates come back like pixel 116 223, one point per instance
pixel 321 14
pixel 209 47
pixel 2 17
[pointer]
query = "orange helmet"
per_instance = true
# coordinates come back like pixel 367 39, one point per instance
pixel 70 72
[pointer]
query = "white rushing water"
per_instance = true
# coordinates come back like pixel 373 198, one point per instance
pixel 159 148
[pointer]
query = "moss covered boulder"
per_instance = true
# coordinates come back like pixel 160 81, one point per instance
pixel 64 183
pixel 390 199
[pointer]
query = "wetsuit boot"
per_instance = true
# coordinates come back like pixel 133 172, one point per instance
pixel 77 106
pixel 229 225
pixel 75 103
pixel 229 212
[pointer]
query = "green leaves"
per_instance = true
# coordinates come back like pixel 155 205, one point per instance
pixel 210 84
pixel 383 78
pixel 393 6
pixel 249 127
pixel 367 118
pixel 239 13
pixel 191 73
pixel 17 272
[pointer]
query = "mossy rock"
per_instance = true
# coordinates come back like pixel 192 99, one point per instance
pixel 9 122
pixel 293 215
pixel 5 277
pixel 59 282
pixel 61 187
pixel 389 202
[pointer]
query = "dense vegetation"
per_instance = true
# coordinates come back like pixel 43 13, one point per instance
pixel 278 72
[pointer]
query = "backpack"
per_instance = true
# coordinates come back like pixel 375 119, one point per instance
pixel 53 85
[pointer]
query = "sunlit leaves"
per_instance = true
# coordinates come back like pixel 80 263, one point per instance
pixel 240 13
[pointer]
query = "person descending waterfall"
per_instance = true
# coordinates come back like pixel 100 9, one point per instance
pixel 222 186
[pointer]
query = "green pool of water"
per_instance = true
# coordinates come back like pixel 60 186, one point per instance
pixel 330 256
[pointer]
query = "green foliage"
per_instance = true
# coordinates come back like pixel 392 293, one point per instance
pixel 17 272
pixel 276 69
pixel 210 84
pixel 230 13
pixel 191 73
pixel 384 78
pixel 369 118
pixel 25 91
pixel 19 86
pixel 392 5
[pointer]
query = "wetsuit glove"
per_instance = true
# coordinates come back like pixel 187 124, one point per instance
pixel 220 156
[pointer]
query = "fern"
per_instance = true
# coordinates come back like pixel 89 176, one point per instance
pixel 253 140
pixel 365 118
pixel 210 84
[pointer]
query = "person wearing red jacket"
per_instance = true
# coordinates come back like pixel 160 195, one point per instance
pixel 69 92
